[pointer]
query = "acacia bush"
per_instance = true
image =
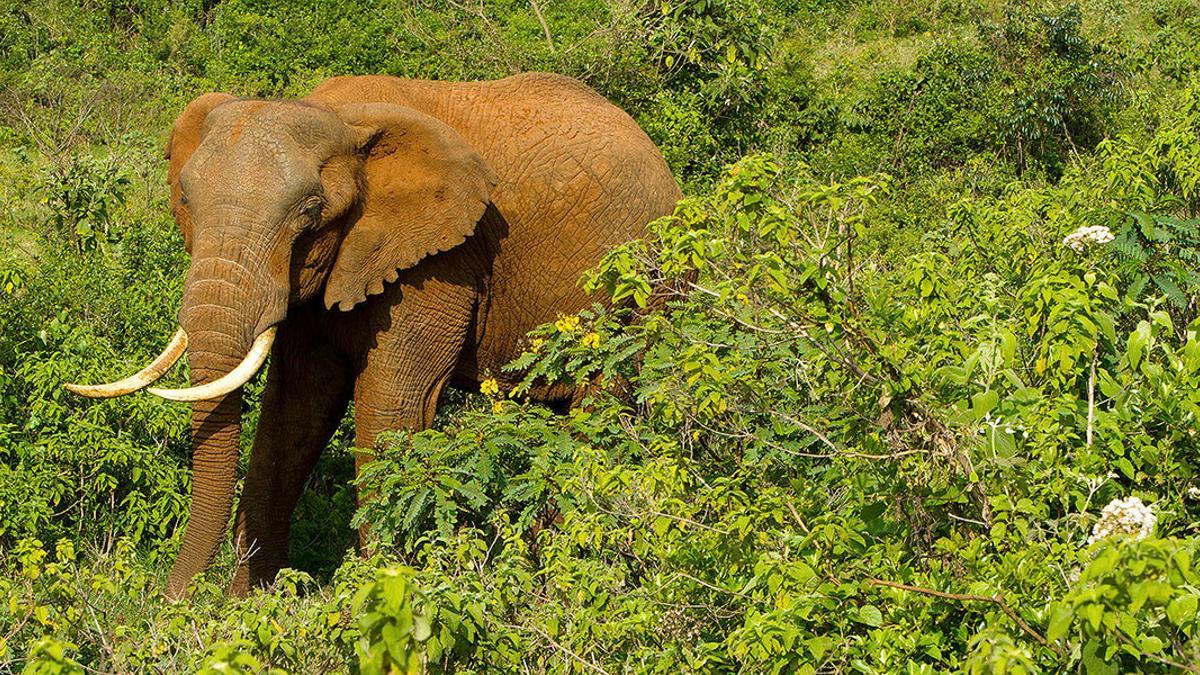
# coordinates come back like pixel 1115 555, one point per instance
pixel 909 383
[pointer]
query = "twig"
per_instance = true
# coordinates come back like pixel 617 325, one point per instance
pixel 689 521
pixel 713 587
pixel 997 600
pixel 810 429
pixel 542 634
pixel 542 20
pixel 1192 668
pixel 631 515
pixel 797 453
pixel 796 515
pixel 1092 397
pixel 837 452
pixel 967 520
pixel 500 44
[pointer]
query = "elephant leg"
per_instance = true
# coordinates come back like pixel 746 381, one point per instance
pixel 307 390
pixel 403 374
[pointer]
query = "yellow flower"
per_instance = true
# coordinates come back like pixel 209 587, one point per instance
pixel 490 387
pixel 566 324
pixel 591 340
pixel 535 345
pixel 497 407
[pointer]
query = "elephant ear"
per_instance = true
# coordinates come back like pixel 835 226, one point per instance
pixel 185 136
pixel 425 190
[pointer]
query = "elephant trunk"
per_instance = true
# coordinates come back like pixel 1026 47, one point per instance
pixel 221 317
pixel 216 428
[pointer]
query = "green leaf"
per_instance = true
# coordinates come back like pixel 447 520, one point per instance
pixel 1094 615
pixel 1126 467
pixel 1182 609
pixel 1061 618
pixel 983 403
pixel 1094 663
pixel 1139 339
pixel 870 615
pixel 422 627
pixel 818 646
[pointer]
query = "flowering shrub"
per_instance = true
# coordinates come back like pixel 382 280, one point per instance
pixel 812 464
pixel 1088 235
pixel 857 406
pixel 1127 516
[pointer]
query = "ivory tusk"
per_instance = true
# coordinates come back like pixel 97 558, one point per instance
pixel 144 377
pixel 231 380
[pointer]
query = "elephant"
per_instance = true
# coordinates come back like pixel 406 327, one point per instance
pixel 380 239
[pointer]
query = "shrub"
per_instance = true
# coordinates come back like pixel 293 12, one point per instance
pixel 859 405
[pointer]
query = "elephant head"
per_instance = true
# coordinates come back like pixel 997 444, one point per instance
pixel 281 202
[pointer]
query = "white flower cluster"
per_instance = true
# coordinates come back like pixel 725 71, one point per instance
pixel 1127 516
pixel 1087 236
pixel 678 625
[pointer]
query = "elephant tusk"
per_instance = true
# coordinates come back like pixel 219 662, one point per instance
pixel 144 377
pixel 231 380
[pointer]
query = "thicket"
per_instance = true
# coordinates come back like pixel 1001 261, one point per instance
pixel 923 396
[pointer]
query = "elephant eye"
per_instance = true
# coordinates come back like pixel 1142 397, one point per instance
pixel 311 209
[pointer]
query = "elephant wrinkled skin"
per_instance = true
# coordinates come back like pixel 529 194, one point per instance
pixel 391 237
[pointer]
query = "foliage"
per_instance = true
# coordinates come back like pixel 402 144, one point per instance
pixel 441 480
pixel 1133 597
pixel 854 406
pixel 79 199
pixel 968 459
pixel 112 605
pixel 403 629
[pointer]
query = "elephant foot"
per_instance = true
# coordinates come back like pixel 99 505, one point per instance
pixel 256 565
pixel 175 591
pixel 247 578
pixel 239 587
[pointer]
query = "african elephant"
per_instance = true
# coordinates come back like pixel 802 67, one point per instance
pixel 381 238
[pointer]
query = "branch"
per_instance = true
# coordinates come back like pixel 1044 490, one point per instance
pixel 1154 657
pixel 796 515
pixel 712 587
pixel 542 20
pixel 1092 395
pixel 997 600
pixel 542 634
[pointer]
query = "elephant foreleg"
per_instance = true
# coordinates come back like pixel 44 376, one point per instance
pixel 307 390
pixel 411 359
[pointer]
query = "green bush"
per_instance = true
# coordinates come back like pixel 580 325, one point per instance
pixel 871 402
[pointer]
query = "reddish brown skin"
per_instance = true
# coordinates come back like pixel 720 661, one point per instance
pixel 403 236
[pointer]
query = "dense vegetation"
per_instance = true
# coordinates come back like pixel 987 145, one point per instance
pixel 921 395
